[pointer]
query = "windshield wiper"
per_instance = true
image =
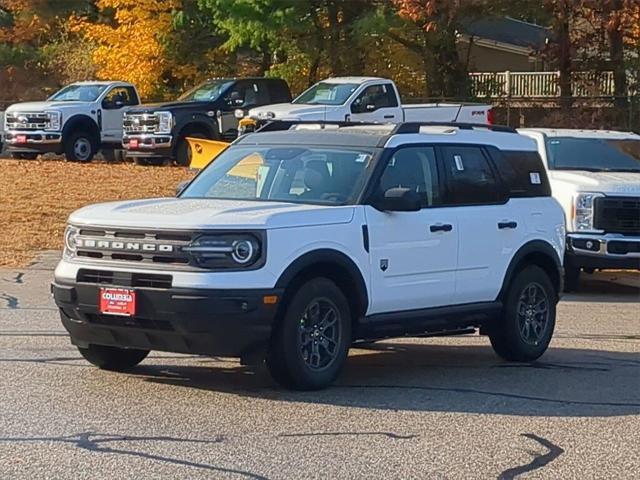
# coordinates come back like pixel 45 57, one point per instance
pixel 584 169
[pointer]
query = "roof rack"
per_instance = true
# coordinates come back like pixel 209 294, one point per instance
pixel 414 127
pixel 400 128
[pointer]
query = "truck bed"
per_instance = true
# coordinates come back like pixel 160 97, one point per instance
pixel 446 112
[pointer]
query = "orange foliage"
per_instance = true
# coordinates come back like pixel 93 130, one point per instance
pixel 27 25
pixel 131 49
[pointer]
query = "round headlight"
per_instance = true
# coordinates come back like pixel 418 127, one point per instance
pixel 70 239
pixel 243 251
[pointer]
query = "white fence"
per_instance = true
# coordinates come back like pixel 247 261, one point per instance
pixel 540 84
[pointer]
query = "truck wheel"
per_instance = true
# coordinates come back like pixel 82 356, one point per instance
pixel 113 358
pixel 79 147
pixel 183 151
pixel 24 156
pixel 310 344
pixel 113 155
pixel 528 317
pixel 571 278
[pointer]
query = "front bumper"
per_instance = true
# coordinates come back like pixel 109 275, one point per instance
pixel 604 251
pixel 34 140
pixel 149 145
pixel 234 323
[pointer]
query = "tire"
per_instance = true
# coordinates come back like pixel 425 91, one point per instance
pixel 293 359
pixel 571 278
pixel 522 335
pixel 80 147
pixel 113 358
pixel 113 155
pixel 24 156
pixel 183 152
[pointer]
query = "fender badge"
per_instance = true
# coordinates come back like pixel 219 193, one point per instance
pixel 384 264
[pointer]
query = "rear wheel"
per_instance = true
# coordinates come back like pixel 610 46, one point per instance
pixel 79 147
pixel 528 318
pixel 113 358
pixel 24 156
pixel 310 344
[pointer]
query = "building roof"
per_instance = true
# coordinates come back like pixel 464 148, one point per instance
pixel 509 31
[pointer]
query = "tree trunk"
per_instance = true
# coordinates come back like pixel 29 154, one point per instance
pixel 335 58
pixel 615 36
pixel 564 56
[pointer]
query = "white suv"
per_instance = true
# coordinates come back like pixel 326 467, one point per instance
pixel 595 175
pixel 300 240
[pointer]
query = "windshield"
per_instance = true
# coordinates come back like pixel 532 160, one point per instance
pixel 327 94
pixel 207 91
pixel 82 93
pixel 594 154
pixel 316 175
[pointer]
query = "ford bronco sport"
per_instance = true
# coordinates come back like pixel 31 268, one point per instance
pixel 300 239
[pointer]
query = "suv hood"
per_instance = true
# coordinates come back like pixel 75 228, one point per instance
pixel 290 111
pixel 42 106
pixel 617 183
pixel 196 214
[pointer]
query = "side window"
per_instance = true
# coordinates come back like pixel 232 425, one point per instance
pixel 374 97
pixel 414 168
pixel 471 181
pixel 278 92
pixel 122 96
pixel 523 173
pixel 243 94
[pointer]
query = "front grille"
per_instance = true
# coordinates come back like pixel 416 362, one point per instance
pixel 140 123
pixel 124 279
pixel 134 246
pixel 620 247
pixel 27 121
pixel 617 215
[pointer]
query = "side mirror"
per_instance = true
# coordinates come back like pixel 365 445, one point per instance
pixel 181 186
pixel 112 105
pixel 399 199
pixel 370 107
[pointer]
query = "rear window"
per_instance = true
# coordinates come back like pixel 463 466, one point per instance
pixel 524 174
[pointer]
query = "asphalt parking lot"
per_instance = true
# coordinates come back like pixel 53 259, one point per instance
pixel 410 408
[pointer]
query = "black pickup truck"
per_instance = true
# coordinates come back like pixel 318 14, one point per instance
pixel 155 132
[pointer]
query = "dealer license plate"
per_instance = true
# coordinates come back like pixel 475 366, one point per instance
pixel 21 139
pixel 117 301
pixel 133 143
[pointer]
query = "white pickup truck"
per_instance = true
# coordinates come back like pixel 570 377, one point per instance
pixel 595 175
pixel 78 120
pixel 365 99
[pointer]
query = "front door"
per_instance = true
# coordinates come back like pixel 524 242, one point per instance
pixel 115 102
pixel 413 254
pixel 376 103
pixel 244 95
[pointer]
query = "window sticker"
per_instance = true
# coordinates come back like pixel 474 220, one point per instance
pixel 363 158
pixel 535 178
pixel 459 164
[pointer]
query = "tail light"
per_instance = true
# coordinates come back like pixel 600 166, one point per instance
pixel 490 117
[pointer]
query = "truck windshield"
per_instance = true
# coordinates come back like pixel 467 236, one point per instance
pixel 207 91
pixel 315 175
pixel 594 154
pixel 79 93
pixel 325 93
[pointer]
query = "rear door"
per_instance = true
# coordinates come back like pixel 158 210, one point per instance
pixel 487 225
pixel 413 254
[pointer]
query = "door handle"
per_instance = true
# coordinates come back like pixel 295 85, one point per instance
pixel 389 116
pixel 511 224
pixel 441 227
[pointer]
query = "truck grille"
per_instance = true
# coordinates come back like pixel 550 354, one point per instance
pixel 140 123
pixel 160 248
pixel 617 215
pixel 124 279
pixel 27 121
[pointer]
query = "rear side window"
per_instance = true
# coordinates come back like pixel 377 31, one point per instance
pixel 470 178
pixel 524 174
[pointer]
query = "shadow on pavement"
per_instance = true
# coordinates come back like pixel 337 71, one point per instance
pixel 462 379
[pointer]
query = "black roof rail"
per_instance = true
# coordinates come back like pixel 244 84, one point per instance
pixel 279 125
pixel 414 127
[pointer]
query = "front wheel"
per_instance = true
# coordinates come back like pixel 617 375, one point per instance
pixel 79 147
pixel 310 344
pixel 113 358
pixel 528 318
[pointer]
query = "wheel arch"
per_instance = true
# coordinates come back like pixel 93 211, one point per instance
pixel 335 266
pixel 81 121
pixel 535 252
